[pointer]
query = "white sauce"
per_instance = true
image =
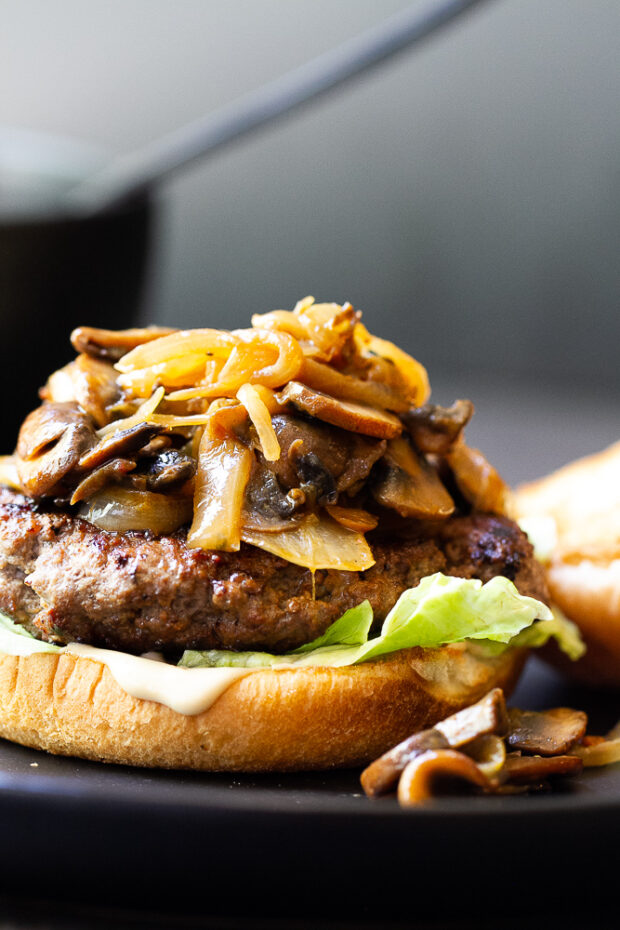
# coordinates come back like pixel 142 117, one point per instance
pixel 185 690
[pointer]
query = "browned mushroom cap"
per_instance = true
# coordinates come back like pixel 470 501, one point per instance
pixel 432 772
pixel 356 418
pixel 111 472
pixel 88 382
pixel 486 716
pixel 165 470
pixel 267 507
pixel 51 441
pixel 121 444
pixel 406 483
pixel 528 770
pixel 113 344
pixel 435 429
pixel 477 480
pixel 382 774
pixel 547 733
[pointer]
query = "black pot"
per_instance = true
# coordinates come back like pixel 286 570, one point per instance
pixel 58 269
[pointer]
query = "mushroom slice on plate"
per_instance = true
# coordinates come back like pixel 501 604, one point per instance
pixel 526 770
pixel 488 715
pixel 382 774
pixel 546 733
pixel 426 776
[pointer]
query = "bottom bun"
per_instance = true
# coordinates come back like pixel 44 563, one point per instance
pixel 269 720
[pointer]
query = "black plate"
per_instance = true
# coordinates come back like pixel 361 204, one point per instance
pixel 190 839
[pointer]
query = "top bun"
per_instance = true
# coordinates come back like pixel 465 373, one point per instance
pixel 583 572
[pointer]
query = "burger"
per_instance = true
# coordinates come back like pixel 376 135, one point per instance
pixel 256 550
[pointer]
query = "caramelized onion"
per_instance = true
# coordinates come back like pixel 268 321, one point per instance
pixel 120 510
pixel 195 341
pixel 142 415
pixel 221 477
pixel 346 387
pixel 261 418
pixel 413 373
pixel 318 542
pixel 288 362
pixel 353 518
pixel 174 373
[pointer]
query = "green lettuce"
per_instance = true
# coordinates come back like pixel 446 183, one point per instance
pixel 440 610
pixel 9 629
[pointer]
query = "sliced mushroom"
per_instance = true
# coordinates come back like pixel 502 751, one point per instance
pixel 382 774
pixel 363 455
pixel 430 774
pixel 316 481
pixel 113 344
pixel 546 733
pixel 51 441
pixel 169 468
pixel 486 716
pixel 88 382
pixel 477 480
pixel 356 418
pixel 406 483
pixel 347 456
pixel 267 508
pixel 435 429
pixel 110 473
pixel 121 444
pixel 528 770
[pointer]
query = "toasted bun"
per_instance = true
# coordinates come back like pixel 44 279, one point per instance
pixel 270 720
pixel 584 568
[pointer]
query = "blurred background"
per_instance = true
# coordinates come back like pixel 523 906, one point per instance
pixel 466 196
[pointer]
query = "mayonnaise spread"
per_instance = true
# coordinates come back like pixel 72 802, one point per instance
pixel 185 690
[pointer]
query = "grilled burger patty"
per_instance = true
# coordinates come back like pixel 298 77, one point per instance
pixel 67 580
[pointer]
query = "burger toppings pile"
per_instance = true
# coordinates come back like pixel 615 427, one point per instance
pixel 298 436
pixel 491 750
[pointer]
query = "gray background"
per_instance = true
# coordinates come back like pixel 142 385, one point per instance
pixel 466 197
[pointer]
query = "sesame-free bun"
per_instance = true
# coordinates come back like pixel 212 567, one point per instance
pixel 269 720
pixel 583 573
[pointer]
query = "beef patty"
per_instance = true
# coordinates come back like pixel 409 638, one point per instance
pixel 67 580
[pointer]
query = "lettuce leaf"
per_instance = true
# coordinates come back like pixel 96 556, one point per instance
pixel 8 628
pixel 440 610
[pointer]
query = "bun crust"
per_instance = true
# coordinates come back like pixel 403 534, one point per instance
pixel 583 574
pixel 270 720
